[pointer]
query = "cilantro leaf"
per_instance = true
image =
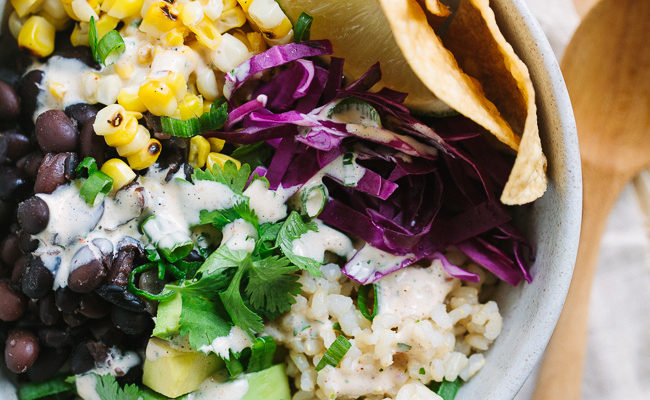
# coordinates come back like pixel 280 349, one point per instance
pixel 223 258
pixel 107 388
pixel 200 322
pixel 272 286
pixel 221 218
pixel 231 176
pixel 232 300
pixel 268 233
pixel 292 229
pixel 206 286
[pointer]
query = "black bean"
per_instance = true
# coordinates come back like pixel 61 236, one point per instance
pixel 66 300
pixel 30 163
pixel 37 280
pixel 55 132
pixel 122 266
pixel 98 351
pixel 81 359
pixel 55 170
pixel 93 306
pixel 104 331
pixel 26 242
pixel 82 112
pixel 47 365
pixel 21 350
pixel 90 144
pixel 47 311
pixel 121 297
pixel 87 270
pixel 129 322
pixel 105 248
pixel 28 89
pixel 81 53
pixel 18 271
pixel 14 184
pixel 13 144
pixel 54 337
pixel 9 103
pixel 33 215
pixel 5 213
pixel 12 303
pixel 152 122
pixel 74 320
pixel 10 249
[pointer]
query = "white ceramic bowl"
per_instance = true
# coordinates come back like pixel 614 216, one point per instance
pixel 530 311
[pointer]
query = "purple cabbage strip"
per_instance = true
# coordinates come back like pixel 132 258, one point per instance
pixel 454 270
pixel 367 80
pixel 259 172
pixel 361 268
pixel 237 115
pixel 491 258
pixel 334 79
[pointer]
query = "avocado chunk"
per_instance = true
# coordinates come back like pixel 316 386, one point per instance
pixel 268 384
pixel 172 372
pixel 168 317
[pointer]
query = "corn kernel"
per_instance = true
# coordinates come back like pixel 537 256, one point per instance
pixel 58 90
pixel 83 10
pixel 213 8
pixel 160 18
pixel 158 97
pixel 192 13
pixel 58 23
pixel 229 19
pixel 79 35
pixel 216 144
pixel 124 136
pixel 90 83
pixel 139 141
pixel 37 35
pixel 230 53
pixel 176 83
pixel 270 18
pixel 123 68
pixel 55 9
pixel 207 34
pixel 144 53
pixel 105 24
pixel 25 7
pixel 108 88
pixel 256 42
pixel 15 24
pixel 245 4
pixel 174 38
pixel 190 107
pixel 220 159
pixel 206 84
pixel 146 156
pixel 122 9
pixel 110 119
pixel 229 4
pixel 121 173
pixel 128 98
pixel 199 149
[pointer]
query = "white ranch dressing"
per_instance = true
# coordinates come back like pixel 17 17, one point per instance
pixel 268 204
pixel 116 364
pixel 211 389
pixel 314 244
pixel 236 341
pixel 239 235
pixel 369 262
pixel 65 72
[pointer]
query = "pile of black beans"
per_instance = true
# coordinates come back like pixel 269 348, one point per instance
pixel 46 332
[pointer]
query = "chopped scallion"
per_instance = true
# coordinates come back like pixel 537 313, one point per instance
pixel 212 120
pixel 110 47
pixel 234 366
pixel 362 300
pixel 92 38
pixel 446 389
pixel 302 27
pixel 96 184
pixel 262 353
pixel 313 200
pixel 166 294
pixel 88 164
pixel 335 353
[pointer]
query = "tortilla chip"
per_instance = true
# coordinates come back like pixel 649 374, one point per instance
pixel 483 53
pixel 436 8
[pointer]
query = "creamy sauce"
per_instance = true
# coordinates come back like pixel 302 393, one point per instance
pixel 212 389
pixel 240 235
pixel 63 74
pixel 314 244
pixel 236 341
pixel 116 364
pixel 369 263
pixel 267 204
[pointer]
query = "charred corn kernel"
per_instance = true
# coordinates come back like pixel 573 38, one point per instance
pixel 160 18
pixel 128 98
pixel 174 38
pixel 146 156
pixel 122 9
pixel 15 24
pixel 144 54
pixel 216 144
pixel 140 140
pixel 230 53
pixel 207 34
pixel 121 173
pixel 123 136
pixel 245 4
pixel 58 23
pixel 123 68
pixel 37 35
pixel 54 8
pixel 213 8
pixel 270 18
pixel 192 13
pixel 220 160
pixel 105 24
pixel 158 97
pixel 256 42
pixel 109 120
pixel 79 35
pixel 279 41
pixel 58 90
pixel 176 83
pixel 190 107
pixel 199 150
pixel 206 84
pixel 25 7
pixel 229 19
pixel 83 10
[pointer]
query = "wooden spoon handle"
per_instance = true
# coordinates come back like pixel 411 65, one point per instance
pixel 561 373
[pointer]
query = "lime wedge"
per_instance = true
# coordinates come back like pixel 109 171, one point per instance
pixel 361 34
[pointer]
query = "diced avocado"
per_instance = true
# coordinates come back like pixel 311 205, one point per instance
pixel 269 384
pixel 173 372
pixel 168 317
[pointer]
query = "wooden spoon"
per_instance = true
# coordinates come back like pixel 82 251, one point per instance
pixel 607 71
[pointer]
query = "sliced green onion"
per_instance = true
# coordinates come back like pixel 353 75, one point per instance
pixel 92 38
pixel 212 120
pixel 172 243
pixel 33 391
pixel 96 184
pixel 302 27
pixel 349 176
pixel 262 353
pixel 335 353
pixel 446 389
pixel 362 300
pixel 313 200
pixel 88 164
pixel 164 295
pixel 110 47
pixel 234 366
pixel 422 371
pixel 352 110
pixel 403 347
